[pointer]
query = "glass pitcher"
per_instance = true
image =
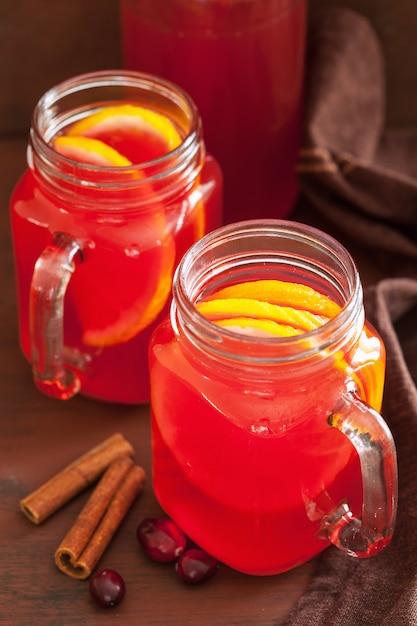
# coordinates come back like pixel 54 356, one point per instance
pixel 242 62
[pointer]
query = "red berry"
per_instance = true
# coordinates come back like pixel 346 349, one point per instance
pixel 196 566
pixel 161 539
pixel 107 588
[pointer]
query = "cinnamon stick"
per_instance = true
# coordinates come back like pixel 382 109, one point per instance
pixel 74 478
pixel 95 526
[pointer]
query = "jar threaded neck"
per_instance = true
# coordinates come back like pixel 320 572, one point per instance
pixel 255 250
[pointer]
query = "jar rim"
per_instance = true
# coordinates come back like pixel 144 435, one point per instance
pixel 46 120
pixel 222 341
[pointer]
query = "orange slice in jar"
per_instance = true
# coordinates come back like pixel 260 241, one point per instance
pixel 120 291
pixel 258 327
pixel 282 293
pixel 256 309
pixel 197 212
pixel 140 134
pixel 117 294
pixel 91 151
pixel 275 308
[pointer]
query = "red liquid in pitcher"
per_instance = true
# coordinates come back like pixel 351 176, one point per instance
pixel 242 63
pixel 120 289
pixel 248 469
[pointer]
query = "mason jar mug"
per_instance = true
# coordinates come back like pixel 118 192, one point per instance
pixel 266 387
pixel 118 186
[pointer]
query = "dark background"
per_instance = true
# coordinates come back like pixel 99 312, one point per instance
pixel 44 42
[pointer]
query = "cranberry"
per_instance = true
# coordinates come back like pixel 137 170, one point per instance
pixel 107 588
pixel 161 539
pixel 196 566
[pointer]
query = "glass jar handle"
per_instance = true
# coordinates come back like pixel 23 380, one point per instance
pixel 366 535
pixel 50 279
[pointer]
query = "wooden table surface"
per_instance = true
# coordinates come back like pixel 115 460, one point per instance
pixel 39 436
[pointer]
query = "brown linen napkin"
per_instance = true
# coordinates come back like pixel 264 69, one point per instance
pixel 361 186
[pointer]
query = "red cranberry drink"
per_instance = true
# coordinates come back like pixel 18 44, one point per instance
pixel 243 64
pixel 118 187
pixel 265 445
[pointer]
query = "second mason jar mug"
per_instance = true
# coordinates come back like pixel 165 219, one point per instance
pixel 118 186
pixel 266 384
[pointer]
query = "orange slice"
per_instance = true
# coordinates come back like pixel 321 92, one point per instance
pixel 87 150
pixel 112 315
pixel 198 211
pixel 140 134
pixel 282 293
pixel 118 294
pixel 268 307
pixel 274 308
pixel 237 307
pixel 258 327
